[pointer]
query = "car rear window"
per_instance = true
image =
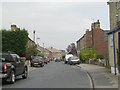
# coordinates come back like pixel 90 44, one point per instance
pixel 4 58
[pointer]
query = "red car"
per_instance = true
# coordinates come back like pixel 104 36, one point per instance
pixel 46 60
pixel 37 61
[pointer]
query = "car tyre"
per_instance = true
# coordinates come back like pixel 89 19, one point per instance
pixel 65 62
pixel 41 65
pixel 12 77
pixel 25 75
pixel 31 65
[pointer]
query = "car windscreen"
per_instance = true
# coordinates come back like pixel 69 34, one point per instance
pixel 37 58
pixel 4 58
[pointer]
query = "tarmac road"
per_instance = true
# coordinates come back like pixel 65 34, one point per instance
pixel 53 75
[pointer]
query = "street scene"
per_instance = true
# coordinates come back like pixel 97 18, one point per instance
pixel 60 44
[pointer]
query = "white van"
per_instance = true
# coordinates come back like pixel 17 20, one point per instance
pixel 67 57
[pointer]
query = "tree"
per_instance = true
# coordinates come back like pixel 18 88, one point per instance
pixel 31 51
pixel 41 54
pixel 71 49
pixel 15 41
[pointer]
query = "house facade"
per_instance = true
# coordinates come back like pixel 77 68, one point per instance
pixel 54 53
pixel 114 36
pixel 96 38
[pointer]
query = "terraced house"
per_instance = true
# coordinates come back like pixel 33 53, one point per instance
pixel 96 38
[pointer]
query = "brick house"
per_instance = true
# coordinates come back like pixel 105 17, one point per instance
pixel 96 38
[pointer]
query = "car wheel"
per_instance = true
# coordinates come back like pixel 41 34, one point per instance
pixel 31 65
pixel 25 74
pixel 12 77
pixel 41 65
pixel 65 62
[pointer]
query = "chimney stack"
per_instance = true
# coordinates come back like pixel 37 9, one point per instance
pixel 95 25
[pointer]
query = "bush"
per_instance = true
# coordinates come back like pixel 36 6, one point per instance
pixel 99 56
pixel 86 54
pixel 63 57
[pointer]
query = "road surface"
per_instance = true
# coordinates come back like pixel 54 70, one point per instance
pixel 53 75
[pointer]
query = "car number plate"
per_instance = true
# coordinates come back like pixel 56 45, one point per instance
pixel 35 63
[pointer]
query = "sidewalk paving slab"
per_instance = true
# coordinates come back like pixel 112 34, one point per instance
pixel 101 76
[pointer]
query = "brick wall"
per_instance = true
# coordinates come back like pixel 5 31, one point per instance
pixel 100 44
pixel 88 39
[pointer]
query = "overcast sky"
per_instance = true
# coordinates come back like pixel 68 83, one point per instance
pixel 57 24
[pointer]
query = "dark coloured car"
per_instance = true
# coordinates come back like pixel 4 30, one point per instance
pixel 12 66
pixel 58 59
pixel 37 61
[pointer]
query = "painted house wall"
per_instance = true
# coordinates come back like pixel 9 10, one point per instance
pixel 114 18
pixel 111 54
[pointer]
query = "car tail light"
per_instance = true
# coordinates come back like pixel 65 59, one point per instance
pixel 5 68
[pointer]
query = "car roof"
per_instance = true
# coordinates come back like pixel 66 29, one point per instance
pixel 4 54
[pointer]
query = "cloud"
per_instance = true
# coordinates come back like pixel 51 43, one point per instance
pixel 56 23
pixel 55 0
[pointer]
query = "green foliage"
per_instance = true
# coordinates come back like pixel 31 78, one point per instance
pixel 63 57
pixel 99 56
pixel 40 54
pixel 15 41
pixel 87 53
pixel 31 51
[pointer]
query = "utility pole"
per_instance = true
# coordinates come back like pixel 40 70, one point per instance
pixel 34 35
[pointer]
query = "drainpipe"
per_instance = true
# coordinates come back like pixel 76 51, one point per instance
pixel 114 53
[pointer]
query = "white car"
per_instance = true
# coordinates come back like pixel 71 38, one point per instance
pixel 73 60
pixel 67 57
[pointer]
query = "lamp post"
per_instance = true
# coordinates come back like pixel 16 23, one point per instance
pixel 34 35
pixel 37 40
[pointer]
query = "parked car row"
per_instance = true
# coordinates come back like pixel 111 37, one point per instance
pixel 12 66
pixel 39 61
pixel 71 59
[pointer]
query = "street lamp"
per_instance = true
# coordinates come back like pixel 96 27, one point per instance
pixel 36 40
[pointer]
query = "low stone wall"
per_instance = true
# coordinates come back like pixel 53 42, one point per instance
pixel 101 62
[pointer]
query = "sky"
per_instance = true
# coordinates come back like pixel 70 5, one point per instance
pixel 57 23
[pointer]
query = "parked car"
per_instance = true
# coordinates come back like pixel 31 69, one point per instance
pixel 73 60
pixel 67 56
pixel 57 59
pixel 37 61
pixel 12 66
pixel 46 60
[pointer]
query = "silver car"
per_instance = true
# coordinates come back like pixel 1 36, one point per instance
pixel 73 60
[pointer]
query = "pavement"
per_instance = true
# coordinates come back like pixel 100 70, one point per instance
pixel 101 76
